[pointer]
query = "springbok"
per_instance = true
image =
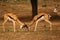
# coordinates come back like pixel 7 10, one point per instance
pixel 13 18
pixel 40 17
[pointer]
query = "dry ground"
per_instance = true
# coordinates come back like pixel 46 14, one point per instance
pixel 42 32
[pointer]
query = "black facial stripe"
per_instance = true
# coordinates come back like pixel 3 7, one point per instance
pixel 40 17
pixel 11 17
pixel 25 26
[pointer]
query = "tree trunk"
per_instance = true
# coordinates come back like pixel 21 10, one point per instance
pixel 34 7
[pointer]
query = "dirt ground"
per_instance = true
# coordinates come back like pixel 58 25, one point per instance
pixel 42 33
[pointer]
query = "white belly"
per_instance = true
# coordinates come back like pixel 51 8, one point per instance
pixel 42 18
pixel 10 19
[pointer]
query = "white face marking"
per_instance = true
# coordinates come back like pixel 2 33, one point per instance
pixel 21 26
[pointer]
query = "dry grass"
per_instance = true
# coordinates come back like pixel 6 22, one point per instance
pixel 22 11
pixel 42 32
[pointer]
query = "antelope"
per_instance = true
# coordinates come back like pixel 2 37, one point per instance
pixel 14 19
pixel 40 17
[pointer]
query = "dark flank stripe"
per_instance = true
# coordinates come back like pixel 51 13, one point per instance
pixel 40 17
pixel 11 17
